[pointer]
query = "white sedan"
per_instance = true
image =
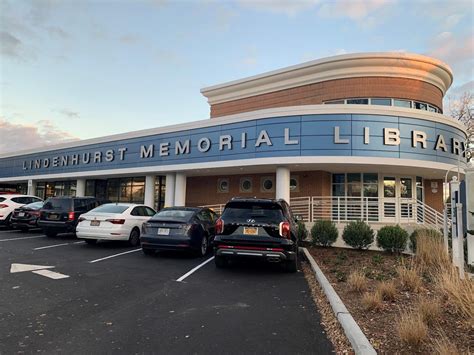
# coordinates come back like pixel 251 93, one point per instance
pixel 114 221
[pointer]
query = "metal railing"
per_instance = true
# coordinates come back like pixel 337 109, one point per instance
pixel 368 209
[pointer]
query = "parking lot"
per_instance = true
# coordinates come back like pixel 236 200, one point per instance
pixel 60 295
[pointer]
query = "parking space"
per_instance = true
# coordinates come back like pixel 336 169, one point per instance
pixel 126 302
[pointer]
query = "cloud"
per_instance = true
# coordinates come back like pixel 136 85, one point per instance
pixel 16 136
pixel 287 7
pixel 68 113
pixel 130 39
pixel 10 45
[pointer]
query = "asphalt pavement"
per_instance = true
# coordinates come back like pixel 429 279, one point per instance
pixel 110 298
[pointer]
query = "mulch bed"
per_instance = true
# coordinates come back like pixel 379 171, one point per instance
pixel 380 326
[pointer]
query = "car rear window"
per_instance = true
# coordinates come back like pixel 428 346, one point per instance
pixel 34 205
pixel 240 212
pixel 181 215
pixel 57 204
pixel 110 209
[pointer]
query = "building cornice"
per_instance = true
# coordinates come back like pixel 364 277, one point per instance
pixel 399 65
pixel 260 114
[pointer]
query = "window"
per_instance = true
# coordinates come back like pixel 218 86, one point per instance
pixel 358 101
pixel 432 108
pixel 334 102
pixel 371 185
pixel 111 208
pixel 267 184
pixel 421 106
pixel 149 211
pixel 402 103
pixel 389 187
pixel 381 102
pixel 223 185
pixel 406 190
pixel 338 185
pixel 353 185
pixel 246 185
pixel 294 183
pixel 419 188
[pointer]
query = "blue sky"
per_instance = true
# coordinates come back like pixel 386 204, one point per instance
pixel 82 69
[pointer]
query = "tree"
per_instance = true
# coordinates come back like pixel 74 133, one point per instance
pixel 462 109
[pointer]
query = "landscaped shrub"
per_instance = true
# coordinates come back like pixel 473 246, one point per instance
pixel 392 238
pixel 358 235
pixel 302 231
pixel 423 231
pixel 324 233
pixel 411 328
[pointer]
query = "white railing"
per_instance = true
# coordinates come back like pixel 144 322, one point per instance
pixel 368 209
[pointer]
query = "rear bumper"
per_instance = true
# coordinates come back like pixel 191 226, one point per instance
pixel 167 243
pixel 58 227
pixel 18 223
pixel 271 256
pixel 114 233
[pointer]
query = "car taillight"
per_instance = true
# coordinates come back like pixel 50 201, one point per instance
pixel 2 205
pixel 70 216
pixel 285 230
pixel 219 226
pixel 115 221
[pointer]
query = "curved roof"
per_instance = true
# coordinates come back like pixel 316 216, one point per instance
pixel 385 64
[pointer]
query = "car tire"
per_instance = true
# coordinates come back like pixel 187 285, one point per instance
pixel 204 246
pixel 147 251
pixel 8 223
pixel 134 239
pixel 51 234
pixel 291 266
pixel 221 262
pixel 91 241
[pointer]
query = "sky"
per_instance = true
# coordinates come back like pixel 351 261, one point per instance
pixel 74 70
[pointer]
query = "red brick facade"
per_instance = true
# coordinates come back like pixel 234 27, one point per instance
pixel 318 93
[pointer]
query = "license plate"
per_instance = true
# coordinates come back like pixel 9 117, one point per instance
pixel 53 216
pixel 21 214
pixel 250 230
pixel 163 231
pixel 95 223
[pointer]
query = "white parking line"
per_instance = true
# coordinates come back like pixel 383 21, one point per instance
pixel 36 236
pixel 113 256
pixel 58 245
pixel 51 274
pixel 193 270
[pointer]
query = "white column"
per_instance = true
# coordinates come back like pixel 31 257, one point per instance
pixel 283 183
pixel 470 212
pixel 31 187
pixel 150 191
pixel 169 191
pixel 180 190
pixel 81 187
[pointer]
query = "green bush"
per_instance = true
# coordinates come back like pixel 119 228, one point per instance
pixel 324 233
pixel 392 238
pixel 358 235
pixel 423 231
pixel 302 231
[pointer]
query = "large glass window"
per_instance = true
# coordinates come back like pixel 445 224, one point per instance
pixel 389 187
pixel 406 190
pixel 358 101
pixel 402 103
pixel 371 185
pixel 354 188
pixel 381 102
pixel 338 185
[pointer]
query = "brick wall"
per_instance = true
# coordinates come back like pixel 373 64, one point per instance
pixel 332 90
pixel 434 200
pixel 204 189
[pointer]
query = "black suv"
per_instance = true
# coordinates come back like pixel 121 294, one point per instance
pixel 61 214
pixel 259 228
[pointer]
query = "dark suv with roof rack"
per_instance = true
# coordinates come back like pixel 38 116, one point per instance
pixel 61 214
pixel 257 228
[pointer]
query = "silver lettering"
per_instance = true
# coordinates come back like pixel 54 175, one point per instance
pixel 418 137
pixel 86 158
pixel 24 166
pixel 147 152
pixel 263 138
pixel 289 141
pixel 441 143
pixel 204 144
pixel 55 162
pixel 225 140
pixel 97 157
pixel 366 135
pixel 74 159
pixel 337 136
pixel 243 142
pixel 122 153
pixel 182 148
pixel 46 163
pixel 37 163
pixel 64 160
pixel 164 149
pixel 456 146
pixel 391 136
pixel 109 155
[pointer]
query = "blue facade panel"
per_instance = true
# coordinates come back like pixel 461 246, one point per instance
pixel 306 135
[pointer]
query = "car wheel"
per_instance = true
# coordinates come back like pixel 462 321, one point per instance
pixel 91 241
pixel 204 246
pixel 221 262
pixel 291 265
pixel 134 239
pixel 51 234
pixel 8 223
pixel 147 251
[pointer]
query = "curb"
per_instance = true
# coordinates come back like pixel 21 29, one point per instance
pixel 357 338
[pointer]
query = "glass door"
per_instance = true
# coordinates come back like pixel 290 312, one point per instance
pixel 398 199
pixel 389 202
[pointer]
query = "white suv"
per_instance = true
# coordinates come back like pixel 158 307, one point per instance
pixel 8 203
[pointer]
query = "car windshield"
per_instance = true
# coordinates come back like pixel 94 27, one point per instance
pixel 241 212
pixel 110 208
pixel 181 215
pixel 34 205
pixel 57 204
